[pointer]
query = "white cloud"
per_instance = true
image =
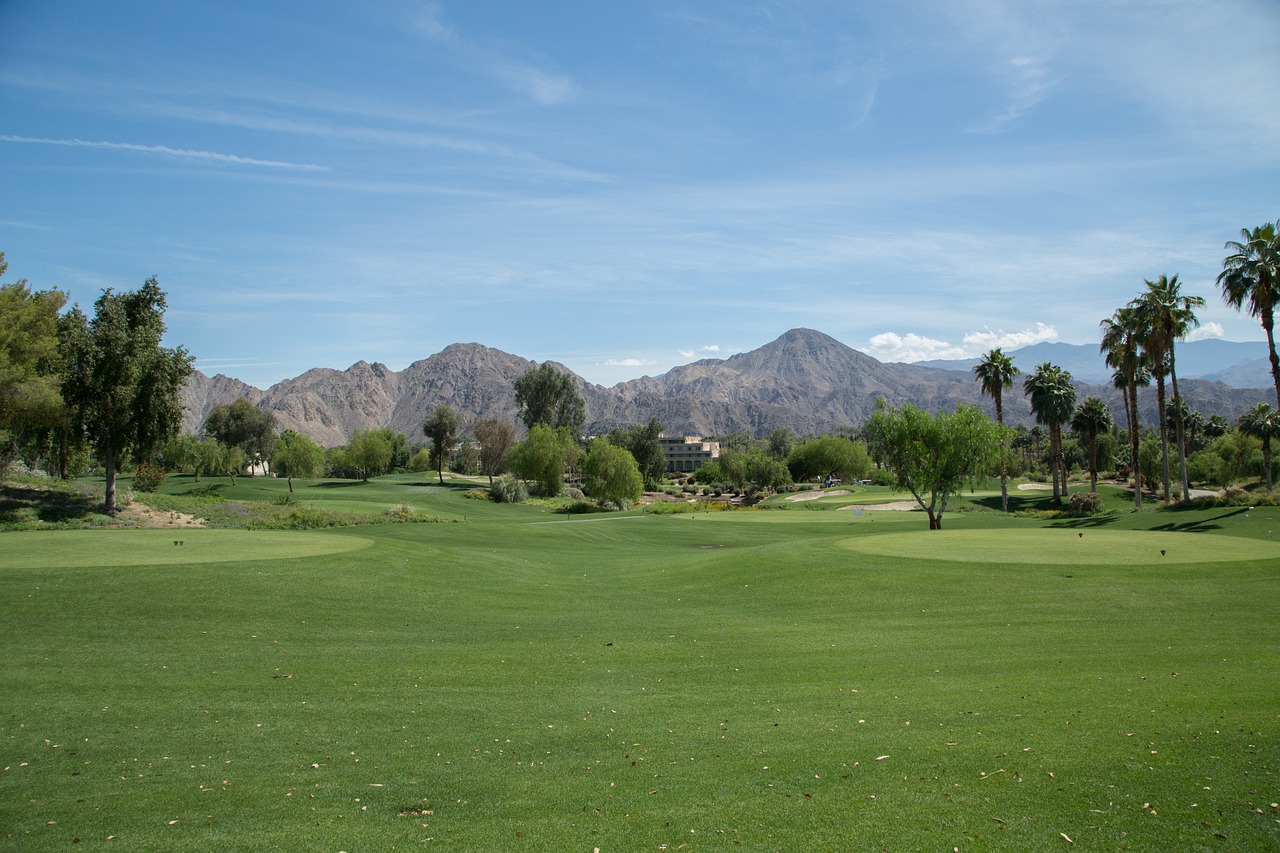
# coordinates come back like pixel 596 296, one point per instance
pixel 629 362
pixel 164 150
pixel 1207 331
pixel 988 339
pixel 890 346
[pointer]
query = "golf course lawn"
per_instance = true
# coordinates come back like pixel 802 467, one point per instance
pixel 766 680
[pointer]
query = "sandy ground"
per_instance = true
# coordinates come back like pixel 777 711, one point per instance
pixel 893 506
pixel 144 516
pixel 813 496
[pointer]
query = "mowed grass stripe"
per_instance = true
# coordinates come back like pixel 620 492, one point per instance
pixel 68 548
pixel 1063 547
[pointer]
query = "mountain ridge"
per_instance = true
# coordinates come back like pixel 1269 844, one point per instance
pixel 804 380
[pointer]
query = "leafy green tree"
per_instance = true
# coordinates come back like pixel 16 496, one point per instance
pixel 610 474
pixel 996 373
pixel 421 462
pixel 1251 276
pixel 121 387
pixel 1168 315
pixel 765 472
pixel 829 456
pixel 1053 398
pixel 642 443
pixel 442 429
pixel 544 456
pixel 495 437
pixel 1091 418
pixel 781 440
pixel 30 401
pixel 296 455
pixel 1263 423
pixel 465 458
pixel 369 453
pixel 243 425
pixel 208 458
pixel 934 455
pixel 548 397
pixel 1121 342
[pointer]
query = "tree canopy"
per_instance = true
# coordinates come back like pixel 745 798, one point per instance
pixel 495 437
pixel 641 441
pixel 244 425
pixel 296 455
pixel 934 455
pixel 548 397
pixel 122 388
pixel 442 429
pixel 610 474
pixel 544 456
pixel 31 404
pixel 829 456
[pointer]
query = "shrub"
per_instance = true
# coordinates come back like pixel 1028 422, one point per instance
pixel 881 477
pixel 509 489
pixel 148 477
pixel 574 494
pixel 399 513
pixel 584 507
pixel 1085 503
pixel 285 499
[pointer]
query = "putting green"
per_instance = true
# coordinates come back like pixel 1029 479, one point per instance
pixel 54 548
pixel 1063 547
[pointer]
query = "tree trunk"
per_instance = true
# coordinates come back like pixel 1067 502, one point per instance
pixel 290 484
pixel 1266 459
pixel 109 495
pixel 1093 463
pixel 1164 436
pixel 1180 430
pixel 1134 443
pixel 1268 324
pixel 1004 474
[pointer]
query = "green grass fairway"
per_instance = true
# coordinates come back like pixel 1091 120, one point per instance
pixel 67 548
pixel 1066 547
pixel 760 680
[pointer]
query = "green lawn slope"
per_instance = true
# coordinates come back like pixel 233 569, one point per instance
pixel 754 680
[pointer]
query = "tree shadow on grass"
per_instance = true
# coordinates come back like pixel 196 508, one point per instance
pixel 20 503
pixel 339 484
pixel 453 487
pixel 1200 525
pixel 1086 522
pixel 1036 501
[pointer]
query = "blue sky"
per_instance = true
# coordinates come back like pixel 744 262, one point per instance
pixel 624 187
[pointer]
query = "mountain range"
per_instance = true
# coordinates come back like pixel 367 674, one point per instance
pixel 805 381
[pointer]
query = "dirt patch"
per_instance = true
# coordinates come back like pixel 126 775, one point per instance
pixel 141 515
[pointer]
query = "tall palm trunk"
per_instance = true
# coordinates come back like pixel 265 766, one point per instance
pixel 1055 456
pixel 1134 444
pixel 1164 434
pixel 1004 467
pixel 1180 430
pixel 1268 324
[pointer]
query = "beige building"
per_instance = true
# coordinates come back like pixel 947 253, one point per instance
pixel 687 453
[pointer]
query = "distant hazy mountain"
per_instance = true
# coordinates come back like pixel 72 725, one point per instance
pixel 805 381
pixel 1240 364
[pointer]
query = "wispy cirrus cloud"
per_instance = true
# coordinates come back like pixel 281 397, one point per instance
pixel 166 151
pixel 527 76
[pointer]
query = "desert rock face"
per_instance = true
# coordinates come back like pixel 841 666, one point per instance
pixel 805 381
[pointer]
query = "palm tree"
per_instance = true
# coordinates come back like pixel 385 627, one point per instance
pixel 1168 316
pixel 1251 273
pixel 996 373
pixel 1053 398
pixel 1091 418
pixel 1121 334
pixel 1262 422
